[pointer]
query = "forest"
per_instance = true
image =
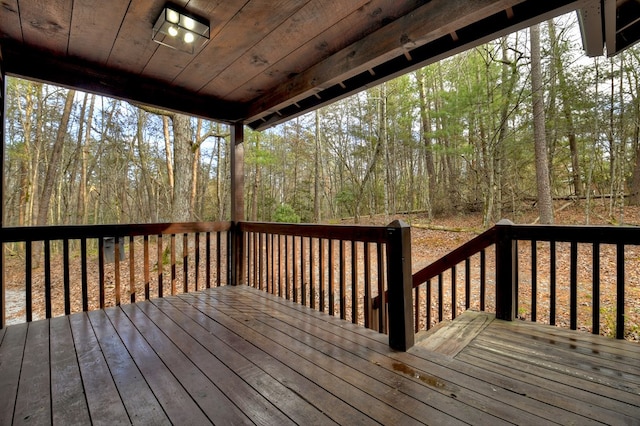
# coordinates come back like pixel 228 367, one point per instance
pixel 456 136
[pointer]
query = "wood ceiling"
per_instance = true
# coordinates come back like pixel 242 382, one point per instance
pixel 267 60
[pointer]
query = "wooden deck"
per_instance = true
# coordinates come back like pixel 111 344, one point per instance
pixel 235 355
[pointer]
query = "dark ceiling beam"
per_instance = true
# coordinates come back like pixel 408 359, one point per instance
pixel 591 20
pixel 505 21
pixel 24 62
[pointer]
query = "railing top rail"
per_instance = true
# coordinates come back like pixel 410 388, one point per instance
pixel 374 234
pixel 451 259
pixel 599 234
pixel 40 233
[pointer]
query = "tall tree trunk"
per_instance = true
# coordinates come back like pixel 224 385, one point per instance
pixel 82 207
pixel 576 175
pixel 54 161
pixel 545 206
pixel 316 172
pixel 182 162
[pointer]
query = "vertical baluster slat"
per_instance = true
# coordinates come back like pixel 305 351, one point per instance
pixel 28 275
pixel 368 320
pixel 145 243
pixel 552 283
pixel 196 260
pixel 428 303
pixel 101 272
pixel 342 283
pixel 467 283
pixel 294 267
pixel 454 299
pixel 185 263
pixel 331 279
pixel 84 275
pixel 354 283
pixel 534 280
pixel 595 307
pixel 483 279
pixel 260 261
pixel 47 278
pixel 160 264
pixel 286 267
pixel 174 272
pixel 132 270
pixel 382 311
pixel 620 291
pixel 303 289
pixel 321 274
pixel 440 298
pixel 312 283
pixel 66 276
pixel 207 263
pixel 116 268
pixel 573 286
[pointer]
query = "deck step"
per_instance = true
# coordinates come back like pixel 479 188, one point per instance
pixel 450 337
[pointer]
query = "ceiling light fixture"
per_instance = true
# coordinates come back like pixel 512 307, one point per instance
pixel 179 30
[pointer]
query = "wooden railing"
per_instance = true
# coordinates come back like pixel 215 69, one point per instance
pixel 594 265
pixel 73 262
pixel 336 269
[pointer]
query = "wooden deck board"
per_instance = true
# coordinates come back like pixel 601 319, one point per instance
pixel 238 355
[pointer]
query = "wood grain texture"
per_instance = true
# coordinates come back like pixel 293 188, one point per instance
pixel 241 355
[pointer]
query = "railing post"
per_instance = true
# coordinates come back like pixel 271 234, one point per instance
pixel 400 283
pixel 237 204
pixel 505 271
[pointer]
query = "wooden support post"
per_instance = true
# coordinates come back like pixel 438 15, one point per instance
pixel 3 91
pixel 506 267
pixel 400 283
pixel 237 204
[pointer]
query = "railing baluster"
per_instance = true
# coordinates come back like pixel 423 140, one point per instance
pixel 620 291
pixel 416 309
pixel 28 275
pixel 47 278
pixel 331 293
pixel 197 261
pixel 483 278
pixel 160 264
pixel 312 284
pixel 534 280
pixel 84 274
pixel 303 289
pixel 440 298
pixel 595 297
pixel 219 258
pixel 382 312
pixel 342 283
pixel 321 274
pixel 367 286
pixel 294 267
pixel 66 276
pixel 552 283
pixel 207 263
pixel 428 303
pixel 132 270
pixel 260 261
pixel 573 286
pixel 286 267
pixel 467 283
pixel 185 262
pixel 146 267
pixel 454 304
pixel 354 283
pixel 174 272
pixel 116 268
pixel 101 271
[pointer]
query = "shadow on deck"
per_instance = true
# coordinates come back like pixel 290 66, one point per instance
pixel 238 355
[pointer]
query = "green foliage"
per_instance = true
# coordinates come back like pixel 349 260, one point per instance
pixel 286 214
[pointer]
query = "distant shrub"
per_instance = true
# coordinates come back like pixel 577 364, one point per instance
pixel 285 213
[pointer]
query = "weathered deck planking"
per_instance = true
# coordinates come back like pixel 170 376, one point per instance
pixel 240 356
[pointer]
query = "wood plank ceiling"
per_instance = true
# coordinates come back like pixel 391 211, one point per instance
pixel 267 60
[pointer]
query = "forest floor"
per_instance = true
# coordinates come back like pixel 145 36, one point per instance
pixel 431 239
